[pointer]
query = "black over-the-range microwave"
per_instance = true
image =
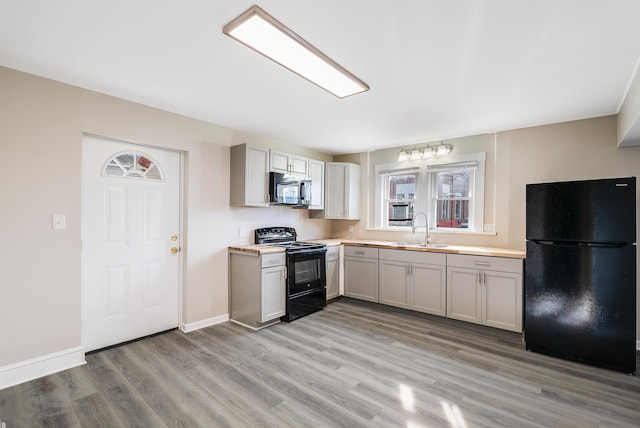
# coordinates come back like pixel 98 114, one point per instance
pixel 287 190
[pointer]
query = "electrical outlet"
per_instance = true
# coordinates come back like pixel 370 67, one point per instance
pixel 242 232
pixel 59 221
pixel 350 228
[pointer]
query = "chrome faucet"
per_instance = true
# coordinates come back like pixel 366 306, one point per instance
pixel 427 239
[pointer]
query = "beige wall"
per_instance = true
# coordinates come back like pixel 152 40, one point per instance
pixel 41 126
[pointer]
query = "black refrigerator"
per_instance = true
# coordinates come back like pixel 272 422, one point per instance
pixel 580 271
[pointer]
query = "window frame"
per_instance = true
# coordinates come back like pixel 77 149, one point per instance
pixel 454 204
pixel 425 201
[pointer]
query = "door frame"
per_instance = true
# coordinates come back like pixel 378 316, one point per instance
pixel 181 224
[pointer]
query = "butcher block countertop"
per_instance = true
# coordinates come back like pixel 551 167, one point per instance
pixel 450 249
pixel 257 249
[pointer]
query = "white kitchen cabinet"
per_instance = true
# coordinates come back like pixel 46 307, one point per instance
pixel 316 174
pixel 333 272
pixel 257 288
pixel 413 280
pixel 342 191
pixel 286 163
pixel 249 176
pixel 361 273
pixel 485 290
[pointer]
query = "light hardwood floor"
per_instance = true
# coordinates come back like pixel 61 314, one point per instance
pixel 353 364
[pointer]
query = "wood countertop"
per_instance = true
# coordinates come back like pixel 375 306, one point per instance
pixel 450 249
pixel 257 249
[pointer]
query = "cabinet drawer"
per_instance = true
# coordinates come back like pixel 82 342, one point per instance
pixel 414 256
pixel 275 259
pixel 502 264
pixel 333 253
pixel 370 253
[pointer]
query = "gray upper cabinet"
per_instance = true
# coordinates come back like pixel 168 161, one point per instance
pixel 286 163
pixel 316 173
pixel 249 176
pixel 342 192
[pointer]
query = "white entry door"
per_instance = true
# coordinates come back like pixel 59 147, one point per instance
pixel 130 241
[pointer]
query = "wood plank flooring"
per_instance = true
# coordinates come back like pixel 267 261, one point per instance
pixel 353 364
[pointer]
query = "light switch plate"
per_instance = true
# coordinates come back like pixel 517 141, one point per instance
pixel 59 221
pixel 242 232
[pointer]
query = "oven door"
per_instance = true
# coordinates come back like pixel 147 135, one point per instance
pixel 305 271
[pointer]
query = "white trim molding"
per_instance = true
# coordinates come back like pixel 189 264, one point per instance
pixel 44 365
pixel 637 345
pixel 193 326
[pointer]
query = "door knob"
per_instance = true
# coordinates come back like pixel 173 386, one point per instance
pixel 174 237
pixel 175 250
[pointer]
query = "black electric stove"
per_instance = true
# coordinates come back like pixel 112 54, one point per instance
pixel 306 270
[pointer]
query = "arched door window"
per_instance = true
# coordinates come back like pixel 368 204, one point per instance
pixel 133 165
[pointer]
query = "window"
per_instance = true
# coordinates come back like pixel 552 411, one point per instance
pixel 400 190
pixel 450 192
pixel 132 165
pixel 452 195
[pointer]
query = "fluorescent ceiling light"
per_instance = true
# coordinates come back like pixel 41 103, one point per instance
pixel 264 34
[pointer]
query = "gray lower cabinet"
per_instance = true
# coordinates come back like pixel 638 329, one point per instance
pixel 257 288
pixel 413 280
pixel 333 272
pixel 485 290
pixel 361 273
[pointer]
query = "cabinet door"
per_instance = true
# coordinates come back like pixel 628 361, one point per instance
pixel 361 278
pixel 279 162
pixel 299 166
pixel 333 279
pixel 273 293
pixel 394 283
pixel 335 207
pixel 316 173
pixel 257 177
pixel 464 295
pixel 502 300
pixel 428 291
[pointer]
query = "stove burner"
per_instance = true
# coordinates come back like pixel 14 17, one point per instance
pixel 285 237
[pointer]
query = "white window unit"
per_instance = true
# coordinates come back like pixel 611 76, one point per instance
pixel 342 193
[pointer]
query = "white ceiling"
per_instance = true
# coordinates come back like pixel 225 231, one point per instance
pixel 437 68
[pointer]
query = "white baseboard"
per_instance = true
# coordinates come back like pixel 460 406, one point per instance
pixel 35 368
pixel 267 324
pixel 193 326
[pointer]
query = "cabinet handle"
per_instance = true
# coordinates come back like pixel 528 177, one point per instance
pixel 484 278
pixel 360 253
pixel 481 263
pixel 481 278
